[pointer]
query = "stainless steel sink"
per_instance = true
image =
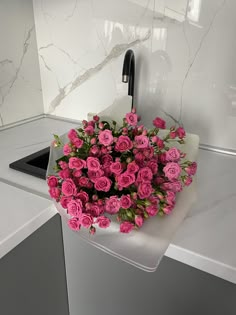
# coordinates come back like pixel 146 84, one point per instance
pixel 34 164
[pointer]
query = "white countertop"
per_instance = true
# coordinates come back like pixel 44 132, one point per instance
pixel 22 213
pixel 206 238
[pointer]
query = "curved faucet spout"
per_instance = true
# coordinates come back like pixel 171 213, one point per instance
pixel 128 72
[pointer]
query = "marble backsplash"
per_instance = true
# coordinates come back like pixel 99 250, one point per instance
pixel 20 85
pixel 185 60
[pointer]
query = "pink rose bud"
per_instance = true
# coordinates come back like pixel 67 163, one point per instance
pixel 84 122
pixel 125 130
pixel 172 135
pixel 52 181
pixel 96 118
pixel 67 149
pixel 188 180
pixel 101 125
pixel 93 141
pixel 144 133
pixel 159 123
pixel 181 132
pixel 154 139
pixel 100 202
pixel 92 230
pixel 133 110
pixel 95 197
pixel 138 220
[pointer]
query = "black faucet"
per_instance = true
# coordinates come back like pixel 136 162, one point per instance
pixel 128 72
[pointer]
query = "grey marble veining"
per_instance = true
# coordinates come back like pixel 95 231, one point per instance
pixel 184 60
pixel 20 86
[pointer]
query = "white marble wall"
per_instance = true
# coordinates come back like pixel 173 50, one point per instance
pixel 20 86
pixel 185 60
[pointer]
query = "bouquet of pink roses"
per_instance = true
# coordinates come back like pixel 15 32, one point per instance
pixel 129 172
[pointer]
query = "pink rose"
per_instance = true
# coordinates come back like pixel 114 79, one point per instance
pixel 125 201
pixel 105 137
pixel 191 169
pixel 68 187
pixel 168 209
pixel 74 224
pixel 141 142
pixel 144 190
pixel 116 168
pixel 144 175
pixel 93 164
pixel 64 173
pixel 152 210
pixel 83 181
pixel 160 143
pixel 123 144
pixel 153 166
pixel 107 171
pixel 170 197
pixel 91 123
pixel 159 123
pixel 86 220
pixel 67 149
pixel 95 210
pixel 89 130
pixel 103 184
pixel 132 167
pixel 172 170
pixel 78 143
pixel 83 196
pixel 52 181
pixel 174 186
pixel 63 165
pixel 103 222
pixel 126 179
pixel 148 152
pixel 77 173
pixel 94 150
pixel 94 175
pixel 131 119
pixel 112 205
pixel 72 134
pixel 76 163
pixel 64 201
pixel 139 220
pixel 173 155
pixel 74 208
pixel 126 227
pixel 180 132
pixel 162 158
pixel 54 192
pixel 188 180
pixel 106 159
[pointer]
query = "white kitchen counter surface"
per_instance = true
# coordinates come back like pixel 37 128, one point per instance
pixel 22 213
pixel 206 238
pixel 20 141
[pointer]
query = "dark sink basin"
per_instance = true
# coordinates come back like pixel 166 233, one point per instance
pixel 34 164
